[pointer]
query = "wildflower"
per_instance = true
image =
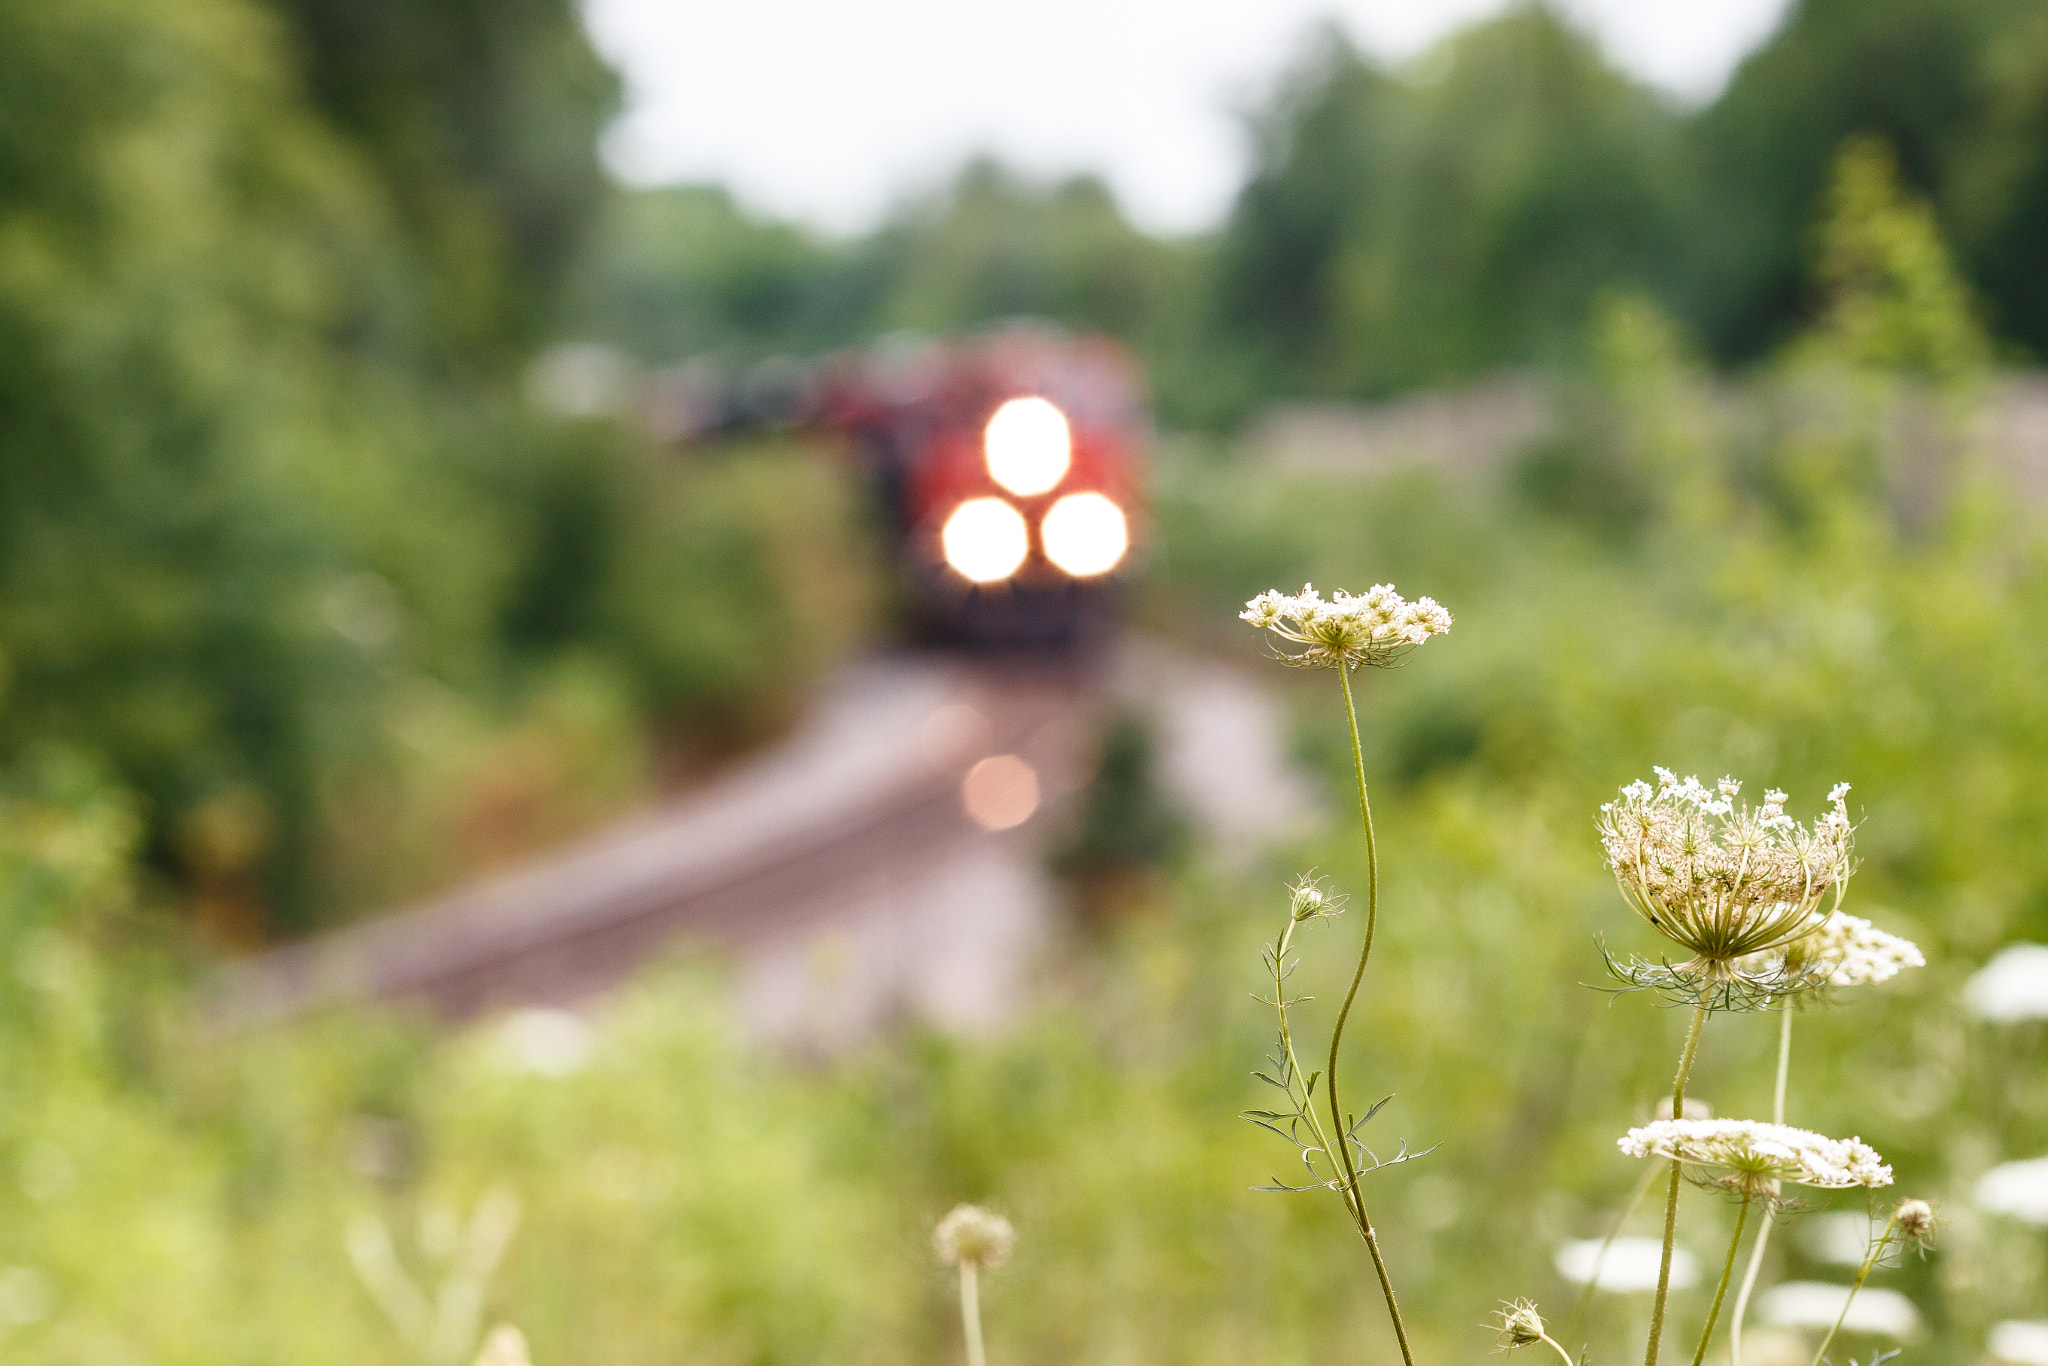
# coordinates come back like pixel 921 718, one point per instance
pixel 1723 880
pixel 1817 1304
pixel 1520 1324
pixel 1916 1221
pixel 1628 1266
pixel 1308 899
pixel 1753 1154
pixel 2016 1189
pixel 1847 951
pixel 1371 630
pixel 970 1236
pixel 2019 1342
pixel 2013 986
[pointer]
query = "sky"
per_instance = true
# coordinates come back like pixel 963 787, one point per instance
pixel 828 111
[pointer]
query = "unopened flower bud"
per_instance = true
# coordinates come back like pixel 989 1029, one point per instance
pixel 971 1236
pixel 1308 899
pixel 1520 1324
pixel 1916 1222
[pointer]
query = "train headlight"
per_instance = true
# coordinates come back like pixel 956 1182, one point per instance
pixel 1028 446
pixel 1085 534
pixel 985 539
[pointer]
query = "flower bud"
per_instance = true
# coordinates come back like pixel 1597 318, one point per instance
pixel 1520 1324
pixel 1916 1222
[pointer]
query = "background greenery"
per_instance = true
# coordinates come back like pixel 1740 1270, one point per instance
pixel 1761 604
pixel 302 609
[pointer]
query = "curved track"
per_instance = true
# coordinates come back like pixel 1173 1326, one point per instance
pixel 844 855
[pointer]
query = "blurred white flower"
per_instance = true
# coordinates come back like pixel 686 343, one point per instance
pixel 1841 1237
pixel 1817 1304
pixel 972 1236
pixel 2019 1342
pixel 1375 628
pixel 1630 1264
pixel 27 1295
pixel 2012 986
pixel 1756 1154
pixel 2018 1189
pixel 1848 951
pixel 549 1043
pixel 506 1346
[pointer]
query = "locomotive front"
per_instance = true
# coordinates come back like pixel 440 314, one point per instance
pixel 1018 488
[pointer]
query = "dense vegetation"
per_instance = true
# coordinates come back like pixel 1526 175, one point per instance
pixel 278 539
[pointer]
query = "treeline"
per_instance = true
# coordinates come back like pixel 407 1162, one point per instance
pixel 1416 226
pixel 281 548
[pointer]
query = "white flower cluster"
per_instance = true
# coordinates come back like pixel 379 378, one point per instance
pixel 1761 1152
pixel 972 1236
pixel 1373 628
pixel 1722 879
pixel 1848 951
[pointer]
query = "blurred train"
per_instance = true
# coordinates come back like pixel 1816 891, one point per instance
pixel 1008 467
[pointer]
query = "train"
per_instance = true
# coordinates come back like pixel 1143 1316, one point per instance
pixel 1007 469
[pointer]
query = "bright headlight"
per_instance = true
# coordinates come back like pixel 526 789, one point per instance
pixel 1028 445
pixel 985 540
pixel 1085 534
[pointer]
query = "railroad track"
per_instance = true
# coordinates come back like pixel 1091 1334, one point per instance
pixel 910 766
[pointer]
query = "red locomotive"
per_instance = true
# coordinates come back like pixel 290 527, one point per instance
pixel 1008 465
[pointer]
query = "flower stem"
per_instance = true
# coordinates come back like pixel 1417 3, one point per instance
pixel 1862 1274
pixel 970 1314
pixel 1343 1134
pixel 1763 1234
pixel 1635 1198
pixel 1721 1290
pixel 1692 1044
pixel 1560 1350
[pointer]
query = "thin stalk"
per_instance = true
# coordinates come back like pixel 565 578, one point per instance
pixel 1763 1234
pixel 1635 1198
pixel 1560 1350
pixel 1692 1044
pixel 970 1314
pixel 1721 1290
pixel 1862 1274
pixel 1343 1135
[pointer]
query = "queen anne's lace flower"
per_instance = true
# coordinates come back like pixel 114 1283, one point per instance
pixel 1724 880
pixel 1848 951
pixel 1374 628
pixel 1752 1154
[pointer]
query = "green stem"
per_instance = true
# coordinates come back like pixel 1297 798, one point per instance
pixel 1343 1134
pixel 1763 1234
pixel 1635 1198
pixel 1560 1350
pixel 1862 1274
pixel 1721 1290
pixel 1692 1044
pixel 970 1314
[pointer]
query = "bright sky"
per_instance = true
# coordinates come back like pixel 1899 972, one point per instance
pixel 827 110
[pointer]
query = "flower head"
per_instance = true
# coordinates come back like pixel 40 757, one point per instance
pixel 1848 951
pixel 1373 629
pixel 1722 879
pixel 1520 1324
pixel 1308 899
pixel 971 1236
pixel 1916 1222
pixel 1750 1154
